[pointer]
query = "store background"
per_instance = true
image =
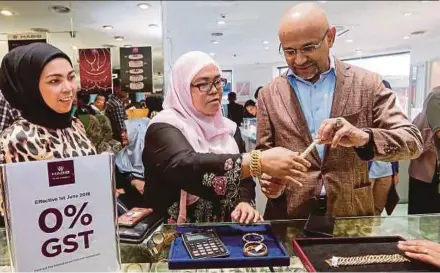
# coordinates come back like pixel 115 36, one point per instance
pixel 242 37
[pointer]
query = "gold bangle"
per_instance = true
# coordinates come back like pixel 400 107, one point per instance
pixel 365 260
pixel 259 248
pixel 255 164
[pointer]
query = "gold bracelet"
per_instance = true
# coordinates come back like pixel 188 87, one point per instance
pixel 255 164
pixel 367 259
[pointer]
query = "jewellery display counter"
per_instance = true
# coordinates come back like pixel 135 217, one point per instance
pixel 141 258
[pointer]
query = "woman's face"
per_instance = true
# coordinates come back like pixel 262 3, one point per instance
pixel 207 102
pixel 57 85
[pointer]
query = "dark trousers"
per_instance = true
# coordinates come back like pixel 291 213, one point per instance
pixel 423 197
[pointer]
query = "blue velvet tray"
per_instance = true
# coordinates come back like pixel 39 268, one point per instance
pixel 231 235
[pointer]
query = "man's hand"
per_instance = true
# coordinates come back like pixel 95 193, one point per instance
pixel 338 131
pixel 422 250
pixel 272 187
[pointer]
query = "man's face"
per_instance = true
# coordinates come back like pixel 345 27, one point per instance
pixel 307 51
pixel 100 102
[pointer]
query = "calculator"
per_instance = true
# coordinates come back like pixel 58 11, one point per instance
pixel 204 244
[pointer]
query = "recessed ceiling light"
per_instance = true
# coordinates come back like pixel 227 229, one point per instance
pixel 108 45
pixel 74 47
pixel 221 22
pixel 39 29
pixel 60 9
pixel 6 12
pixel 358 51
pixel 143 6
pixel 119 38
pixel 153 25
pixel 405 37
pixel 267 48
pixel 128 46
pixel 107 27
pixel 212 54
pixel 215 42
pixel 424 2
pixel 349 41
pixel 322 2
pixel 407 14
pixel 265 42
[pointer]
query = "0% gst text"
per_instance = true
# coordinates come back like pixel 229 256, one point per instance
pixel 70 242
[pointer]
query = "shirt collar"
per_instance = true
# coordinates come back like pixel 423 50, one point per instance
pixel 332 68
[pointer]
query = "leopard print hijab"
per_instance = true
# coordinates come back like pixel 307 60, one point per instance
pixel 19 81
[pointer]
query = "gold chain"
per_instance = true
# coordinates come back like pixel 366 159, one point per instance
pixel 367 259
pixel 255 164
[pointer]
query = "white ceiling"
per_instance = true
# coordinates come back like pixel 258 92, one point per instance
pixel 87 18
pixel 375 27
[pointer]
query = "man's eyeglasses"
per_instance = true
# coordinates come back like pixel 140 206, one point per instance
pixel 306 50
pixel 207 86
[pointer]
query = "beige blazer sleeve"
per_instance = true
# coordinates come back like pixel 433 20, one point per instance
pixel 395 138
pixel 265 130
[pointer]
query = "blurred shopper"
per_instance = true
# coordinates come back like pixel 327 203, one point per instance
pixel 115 111
pixel 99 104
pixel 346 108
pixel 8 115
pixel 235 110
pixel 250 109
pixel 154 105
pixel 130 169
pixel 39 81
pixel 194 171
pixel 384 177
pixel 424 182
pixel 97 126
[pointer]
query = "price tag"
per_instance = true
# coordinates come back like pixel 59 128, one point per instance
pixel 61 215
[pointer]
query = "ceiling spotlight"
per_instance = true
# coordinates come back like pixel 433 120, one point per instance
pixel 265 42
pixel 405 37
pixel 6 12
pixel 107 27
pixel 60 9
pixel 128 46
pixel 74 47
pixel 221 22
pixel 267 48
pixel 406 14
pixel 119 38
pixel 322 2
pixel 212 54
pixel 143 6
pixel 215 42
pixel 153 26
pixel 349 41
pixel 424 2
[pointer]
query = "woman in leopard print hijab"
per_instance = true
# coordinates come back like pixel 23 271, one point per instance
pixel 39 81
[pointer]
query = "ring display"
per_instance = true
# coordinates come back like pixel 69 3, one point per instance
pixel 254 249
pixel 253 238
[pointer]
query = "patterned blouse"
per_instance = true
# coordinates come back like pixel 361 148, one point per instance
pixel 171 165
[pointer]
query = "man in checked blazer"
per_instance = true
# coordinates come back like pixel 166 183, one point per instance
pixel 347 108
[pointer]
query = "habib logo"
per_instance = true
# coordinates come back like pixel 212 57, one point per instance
pixel 61 173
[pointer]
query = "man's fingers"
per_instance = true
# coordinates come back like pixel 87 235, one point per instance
pixel 243 216
pixel 338 136
pixel 298 174
pixel 424 258
pixel 326 131
pixel 250 216
pixel 301 161
pixel 292 180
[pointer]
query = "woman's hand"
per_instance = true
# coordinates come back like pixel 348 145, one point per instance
pixel 284 164
pixel 244 213
pixel 272 187
pixel 422 250
pixel 138 184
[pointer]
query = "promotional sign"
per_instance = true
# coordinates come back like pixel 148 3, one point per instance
pixel 16 40
pixel 95 70
pixel 136 69
pixel 62 216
